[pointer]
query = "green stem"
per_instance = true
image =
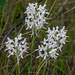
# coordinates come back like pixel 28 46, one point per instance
pixel 54 67
pixel 32 48
pixel 31 53
pixel 18 69
pixel 18 66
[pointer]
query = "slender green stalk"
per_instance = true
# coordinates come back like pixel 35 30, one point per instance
pixel 12 70
pixel 37 73
pixel 18 69
pixel 18 66
pixel 18 63
pixel 60 16
pixel 21 29
pixel 54 67
pixel 52 7
pixel 24 67
pixel 7 67
pixel 44 69
pixel 32 48
pixel 31 54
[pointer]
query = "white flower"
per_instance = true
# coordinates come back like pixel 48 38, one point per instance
pixel 10 41
pixel 42 52
pixel 35 16
pixel 53 53
pixel 55 40
pixel 16 47
pixel 20 36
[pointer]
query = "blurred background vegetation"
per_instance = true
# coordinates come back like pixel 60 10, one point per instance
pixel 62 14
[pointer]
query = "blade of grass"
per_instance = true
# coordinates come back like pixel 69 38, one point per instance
pixel 52 7
pixel 54 67
pixel 59 68
pixel 37 73
pixel 60 16
pixel 21 29
pixel 6 72
pixel 12 70
pixel 44 69
pixel 68 67
pixel 24 67
pixel 31 53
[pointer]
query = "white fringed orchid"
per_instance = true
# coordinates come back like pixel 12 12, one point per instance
pixel 35 16
pixel 55 40
pixel 16 47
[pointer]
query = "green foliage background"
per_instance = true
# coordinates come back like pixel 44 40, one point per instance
pixel 62 14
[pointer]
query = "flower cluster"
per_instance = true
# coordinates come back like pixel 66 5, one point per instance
pixel 17 46
pixel 55 40
pixel 35 16
pixel 35 19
